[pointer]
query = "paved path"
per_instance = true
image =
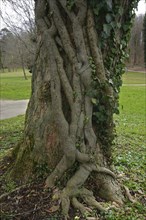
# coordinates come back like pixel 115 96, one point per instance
pixel 134 85
pixel 11 108
pixel 137 71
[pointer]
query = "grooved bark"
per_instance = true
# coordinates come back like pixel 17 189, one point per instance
pixel 60 128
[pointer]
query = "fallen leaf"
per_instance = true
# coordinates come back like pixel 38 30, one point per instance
pixel 53 208
pixel 92 218
pixel 140 192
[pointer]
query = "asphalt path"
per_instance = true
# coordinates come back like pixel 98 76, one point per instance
pixel 134 85
pixel 11 108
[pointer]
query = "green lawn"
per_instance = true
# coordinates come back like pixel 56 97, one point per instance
pixel 132 109
pixel 11 131
pixel 129 146
pixel 129 150
pixel 134 78
pixel 14 86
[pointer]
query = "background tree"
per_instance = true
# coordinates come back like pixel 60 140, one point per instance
pixel 76 80
pixel 22 29
pixel 136 44
pixel 144 38
pixel 8 49
pixel 16 52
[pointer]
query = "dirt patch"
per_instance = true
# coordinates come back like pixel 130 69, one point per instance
pixel 28 202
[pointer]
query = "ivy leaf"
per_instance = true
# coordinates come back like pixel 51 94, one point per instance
pixel 107 29
pixel 108 18
pixel 119 25
pixel 94 101
pixel 111 81
pixel 113 24
pixel 121 10
pixel 109 3
pixel 96 11
pixel 126 27
pixel 99 115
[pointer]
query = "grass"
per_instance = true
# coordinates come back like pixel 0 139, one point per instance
pixel 128 151
pixel 132 110
pixel 11 131
pixel 134 78
pixel 131 132
pixel 14 86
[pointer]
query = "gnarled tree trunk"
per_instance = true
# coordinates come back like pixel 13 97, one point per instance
pixel 69 119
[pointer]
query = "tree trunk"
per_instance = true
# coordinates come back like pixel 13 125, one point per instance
pixel 23 68
pixel 70 114
pixel 22 62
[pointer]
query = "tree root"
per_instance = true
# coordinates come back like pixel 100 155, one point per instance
pixel 87 197
pixel 74 190
pixel 128 195
pixel 90 200
pixel 83 209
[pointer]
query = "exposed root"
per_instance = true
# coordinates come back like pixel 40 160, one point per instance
pixel 86 195
pixel 65 203
pixel 105 171
pixel 128 195
pixel 83 209
pixel 57 173
pixel 90 200
pixel 74 188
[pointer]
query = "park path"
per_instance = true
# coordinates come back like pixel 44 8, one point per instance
pixel 11 108
pixel 134 85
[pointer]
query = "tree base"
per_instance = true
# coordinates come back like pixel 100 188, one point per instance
pixel 76 194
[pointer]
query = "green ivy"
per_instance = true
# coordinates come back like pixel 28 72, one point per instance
pixel 70 4
pixel 113 28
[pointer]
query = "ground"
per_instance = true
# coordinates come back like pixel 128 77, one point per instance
pixel 33 202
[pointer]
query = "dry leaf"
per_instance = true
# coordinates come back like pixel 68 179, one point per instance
pixel 140 192
pixel 53 208
pixel 92 218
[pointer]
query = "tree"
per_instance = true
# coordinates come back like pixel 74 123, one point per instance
pixel 75 84
pixel 22 46
pixel 136 42
pixel 14 51
pixel 144 38
pixel 8 49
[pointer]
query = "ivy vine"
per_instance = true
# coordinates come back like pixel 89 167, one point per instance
pixel 113 23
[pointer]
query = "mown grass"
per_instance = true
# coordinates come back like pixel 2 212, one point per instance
pixel 11 131
pixel 134 78
pixel 14 86
pixel 128 150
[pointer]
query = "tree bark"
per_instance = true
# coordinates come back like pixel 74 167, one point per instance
pixel 61 119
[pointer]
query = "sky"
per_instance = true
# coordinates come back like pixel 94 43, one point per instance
pixel 141 7
pixel 141 10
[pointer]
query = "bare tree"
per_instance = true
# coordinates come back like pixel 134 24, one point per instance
pixel 144 38
pixel 136 42
pixel 23 27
